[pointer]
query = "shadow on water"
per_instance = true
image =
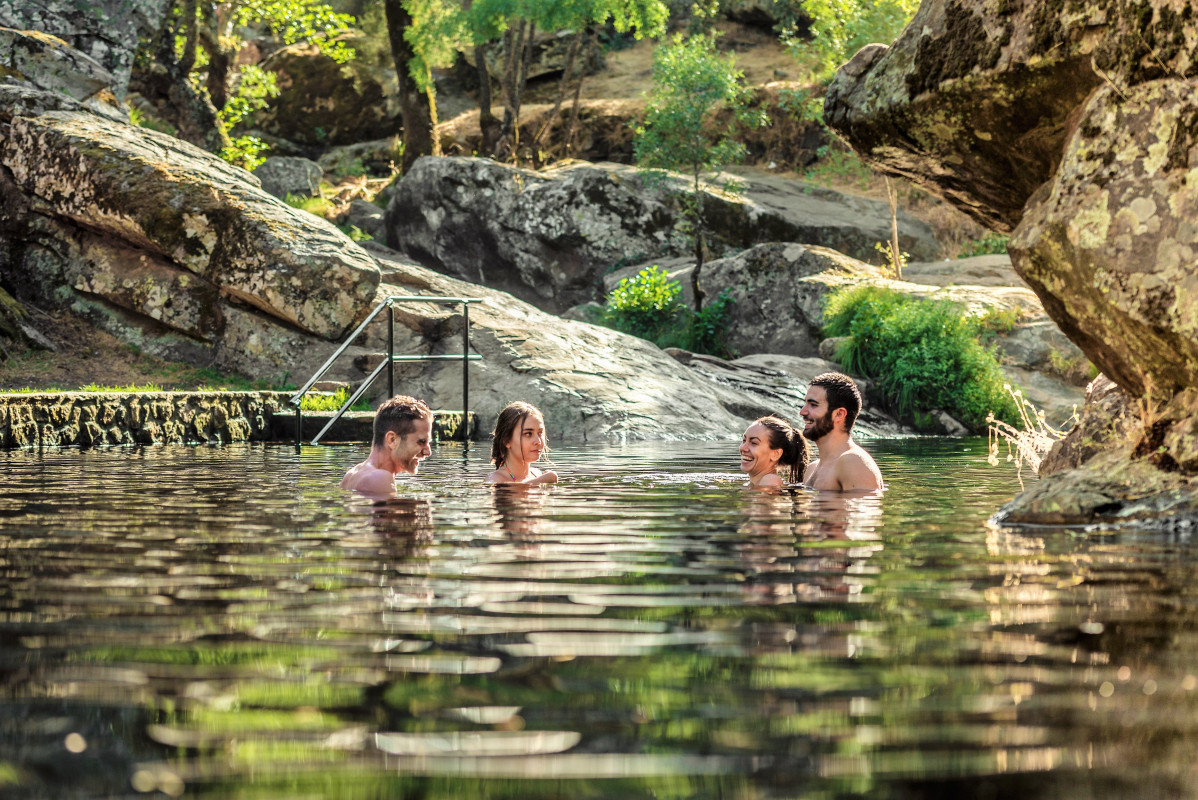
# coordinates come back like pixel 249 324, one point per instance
pixel 226 622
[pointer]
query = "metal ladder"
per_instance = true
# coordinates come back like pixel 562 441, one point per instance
pixel 466 357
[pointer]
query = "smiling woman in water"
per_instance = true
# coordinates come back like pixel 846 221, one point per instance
pixel 517 442
pixel 768 444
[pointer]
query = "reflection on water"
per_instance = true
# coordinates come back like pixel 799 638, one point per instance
pixel 226 622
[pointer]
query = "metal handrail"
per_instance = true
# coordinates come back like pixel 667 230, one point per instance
pixel 466 357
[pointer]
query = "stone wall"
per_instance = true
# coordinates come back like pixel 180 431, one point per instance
pixel 88 419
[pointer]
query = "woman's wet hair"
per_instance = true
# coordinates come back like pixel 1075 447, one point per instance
pixel 785 437
pixel 510 419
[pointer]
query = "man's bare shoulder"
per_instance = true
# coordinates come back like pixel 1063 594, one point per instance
pixel 369 479
pixel 857 470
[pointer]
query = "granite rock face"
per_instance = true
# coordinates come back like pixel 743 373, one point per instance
pixel 1075 126
pixel 106 31
pixel 549 236
pixel 284 175
pixel 158 221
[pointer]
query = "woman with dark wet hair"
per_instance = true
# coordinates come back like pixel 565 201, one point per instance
pixel 770 444
pixel 517 442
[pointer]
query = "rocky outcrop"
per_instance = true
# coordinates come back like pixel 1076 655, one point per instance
pixel 106 32
pixel 155 226
pixel 779 290
pixel 1079 132
pixel 549 236
pixel 283 175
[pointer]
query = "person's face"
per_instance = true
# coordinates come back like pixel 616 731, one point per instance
pixel 815 413
pixel 756 455
pixel 409 450
pixel 527 440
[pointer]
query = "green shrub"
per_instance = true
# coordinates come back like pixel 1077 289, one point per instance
pixel 247 152
pixel 331 402
pixel 646 305
pixel 922 353
pixel 988 244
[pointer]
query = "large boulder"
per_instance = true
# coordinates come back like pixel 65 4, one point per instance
pixel 592 383
pixel 106 31
pixel 779 291
pixel 42 73
pixel 322 103
pixel 1078 131
pixel 161 241
pixel 549 236
pixel 284 175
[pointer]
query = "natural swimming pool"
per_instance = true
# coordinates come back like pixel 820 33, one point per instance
pixel 225 622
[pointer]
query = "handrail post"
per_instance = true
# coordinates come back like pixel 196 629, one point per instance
pixel 390 349
pixel 299 425
pixel 465 371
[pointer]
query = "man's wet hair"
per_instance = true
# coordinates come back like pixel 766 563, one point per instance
pixel 841 392
pixel 399 414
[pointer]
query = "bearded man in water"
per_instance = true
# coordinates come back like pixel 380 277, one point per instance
pixel 830 409
pixel 403 434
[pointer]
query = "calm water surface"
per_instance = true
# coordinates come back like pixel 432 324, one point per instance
pixel 225 622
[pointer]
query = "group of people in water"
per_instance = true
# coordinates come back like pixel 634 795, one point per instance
pixel 772 451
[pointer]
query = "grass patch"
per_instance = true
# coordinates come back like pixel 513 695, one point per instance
pixel 318 206
pixel 923 354
pixel 985 245
pixel 646 305
pixel 315 401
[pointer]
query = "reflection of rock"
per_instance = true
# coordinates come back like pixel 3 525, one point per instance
pixel 281 176
pixel 1078 131
pixel 548 236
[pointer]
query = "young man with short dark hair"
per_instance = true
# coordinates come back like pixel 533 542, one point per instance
pixel 830 409
pixel 403 435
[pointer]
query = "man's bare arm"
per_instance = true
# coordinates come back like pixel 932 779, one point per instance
pixel 378 483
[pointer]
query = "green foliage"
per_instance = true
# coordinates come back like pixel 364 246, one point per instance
pixel 254 88
pixel 691 82
pixel 988 244
pixel 315 401
pixel 839 166
pixel 318 206
pixel 355 233
pixel 924 354
pixel 803 105
pixel 141 119
pixel 839 28
pixel 647 306
pixel 245 151
pixel 299 20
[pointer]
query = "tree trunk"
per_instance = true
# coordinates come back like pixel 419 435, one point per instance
pixel 163 82
pixel 486 120
pixel 219 59
pixel 414 107
pixel 696 290
pixel 573 126
pixel 575 45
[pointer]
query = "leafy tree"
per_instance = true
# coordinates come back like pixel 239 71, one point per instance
pixel 435 30
pixel 691 83
pixel 187 71
pixel 839 28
